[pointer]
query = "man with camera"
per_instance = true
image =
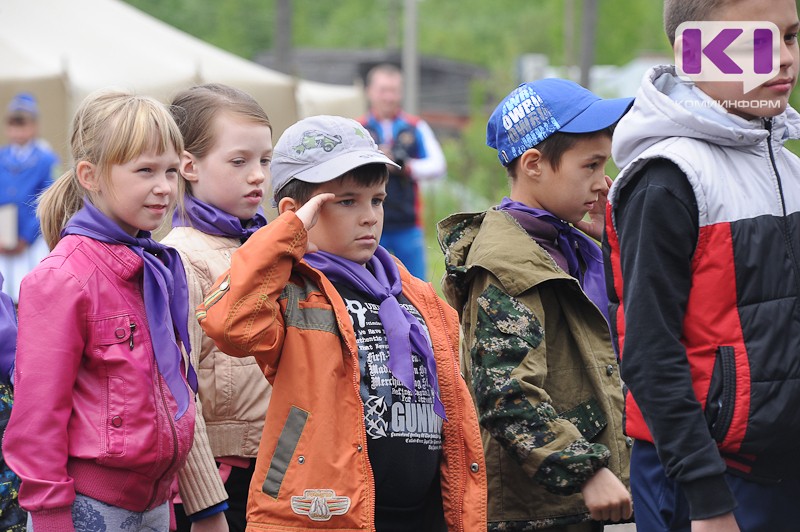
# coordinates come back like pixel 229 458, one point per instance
pixel 410 142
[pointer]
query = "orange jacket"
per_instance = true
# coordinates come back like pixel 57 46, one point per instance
pixel 312 470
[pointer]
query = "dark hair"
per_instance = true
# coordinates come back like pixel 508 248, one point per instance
pixel 382 68
pixel 363 176
pixel 556 145
pixel 676 12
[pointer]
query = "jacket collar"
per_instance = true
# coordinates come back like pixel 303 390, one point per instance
pixel 119 260
pixel 668 107
pixel 495 242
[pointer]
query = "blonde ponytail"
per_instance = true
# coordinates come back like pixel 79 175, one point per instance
pixel 57 204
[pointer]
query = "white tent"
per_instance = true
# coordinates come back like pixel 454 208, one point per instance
pixel 63 50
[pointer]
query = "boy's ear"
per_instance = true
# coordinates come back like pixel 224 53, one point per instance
pixel 530 163
pixel 188 166
pixel 86 173
pixel 287 204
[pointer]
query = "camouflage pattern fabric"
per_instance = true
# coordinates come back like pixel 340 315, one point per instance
pixel 12 517
pixel 539 524
pixel 505 332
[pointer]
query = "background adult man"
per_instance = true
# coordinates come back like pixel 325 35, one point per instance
pixel 409 141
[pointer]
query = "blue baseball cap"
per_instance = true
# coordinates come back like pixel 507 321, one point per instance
pixel 535 110
pixel 23 102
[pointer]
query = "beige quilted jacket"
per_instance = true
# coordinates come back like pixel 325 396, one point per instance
pixel 233 393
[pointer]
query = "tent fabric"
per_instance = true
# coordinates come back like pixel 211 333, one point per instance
pixel 62 51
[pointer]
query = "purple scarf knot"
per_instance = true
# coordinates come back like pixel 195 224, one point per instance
pixel 404 333
pixel 166 295
pixel 214 221
pixel 572 244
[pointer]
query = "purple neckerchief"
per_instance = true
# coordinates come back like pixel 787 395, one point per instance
pixel 404 333
pixel 214 221
pixel 8 335
pixel 571 244
pixel 166 295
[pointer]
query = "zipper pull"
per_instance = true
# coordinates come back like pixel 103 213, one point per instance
pixel 133 328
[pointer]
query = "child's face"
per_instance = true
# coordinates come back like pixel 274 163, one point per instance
pixel 350 225
pixel 783 13
pixel 572 190
pixel 233 174
pixel 20 129
pixel 139 193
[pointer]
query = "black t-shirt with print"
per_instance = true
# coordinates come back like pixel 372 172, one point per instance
pixel 404 435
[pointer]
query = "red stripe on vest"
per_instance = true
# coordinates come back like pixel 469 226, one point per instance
pixel 712 320
pixel 616 271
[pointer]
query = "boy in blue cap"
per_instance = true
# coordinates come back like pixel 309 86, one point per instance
pixel 530 292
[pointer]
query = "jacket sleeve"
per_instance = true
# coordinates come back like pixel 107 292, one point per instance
pixel 508 358
pixel 51 341
pixel 242 313
pixel 201 486
pixel 433 165
pixel 656 263
pixel 8 335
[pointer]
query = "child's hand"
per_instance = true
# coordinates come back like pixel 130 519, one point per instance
pixel 213 523
pixel 597 216
pixel 309 214
pixel 606 497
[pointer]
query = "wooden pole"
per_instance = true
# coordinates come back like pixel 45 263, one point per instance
pixel 410 58
pixel 589 26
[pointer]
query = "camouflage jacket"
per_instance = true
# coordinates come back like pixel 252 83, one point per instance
pixel 538 359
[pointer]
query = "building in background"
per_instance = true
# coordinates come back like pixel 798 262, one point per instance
pixel 445 84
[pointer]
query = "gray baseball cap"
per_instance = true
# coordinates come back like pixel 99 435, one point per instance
pixel 321 148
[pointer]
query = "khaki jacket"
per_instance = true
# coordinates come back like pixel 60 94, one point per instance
pixel 232 395
pixel 313 470
pixel 539 362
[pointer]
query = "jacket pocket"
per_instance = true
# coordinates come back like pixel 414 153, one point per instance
pixel 112 341
pixel 110 333
pixel 116 418
pixel 588 417
pixel 282 457
pixel 307 312
pixel 721 393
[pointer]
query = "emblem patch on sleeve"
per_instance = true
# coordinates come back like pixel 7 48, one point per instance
pixel 320 504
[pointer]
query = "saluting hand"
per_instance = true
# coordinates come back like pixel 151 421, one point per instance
pixel 309 214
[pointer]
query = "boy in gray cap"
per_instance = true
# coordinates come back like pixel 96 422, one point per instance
pixel 530 290
pixel 370 425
